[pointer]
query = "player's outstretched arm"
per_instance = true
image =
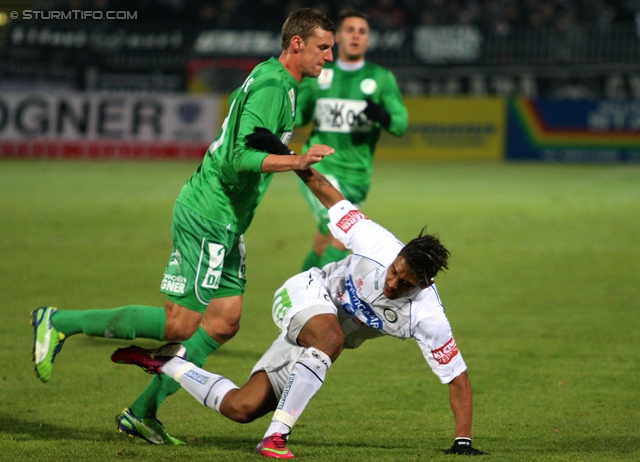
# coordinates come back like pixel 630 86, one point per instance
pixel 281 158
pixel 326 193
pixel 462 406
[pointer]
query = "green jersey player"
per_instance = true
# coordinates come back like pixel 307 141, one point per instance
pixel 350 102
pixel 205 276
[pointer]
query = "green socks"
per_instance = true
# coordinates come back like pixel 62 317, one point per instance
pixel 311 261
pixel 127 322
pixel 332 254
pixel 199 347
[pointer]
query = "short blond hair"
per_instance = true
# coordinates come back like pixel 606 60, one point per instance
pixel 303 23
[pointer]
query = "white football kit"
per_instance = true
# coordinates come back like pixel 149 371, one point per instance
pixel 353 290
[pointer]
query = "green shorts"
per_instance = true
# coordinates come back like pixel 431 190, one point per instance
pixel 355 194
pixel 208 261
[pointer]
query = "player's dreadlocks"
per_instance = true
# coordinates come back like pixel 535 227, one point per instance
pixel 425 255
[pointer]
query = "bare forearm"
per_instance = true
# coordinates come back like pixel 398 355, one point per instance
pixel 275 163
pixel 461 404
pixel 326 193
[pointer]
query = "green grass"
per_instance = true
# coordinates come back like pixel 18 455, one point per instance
pixel 542 293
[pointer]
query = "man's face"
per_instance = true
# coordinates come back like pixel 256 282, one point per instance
pixel 316 52
pixel 400 279
pixel 353 39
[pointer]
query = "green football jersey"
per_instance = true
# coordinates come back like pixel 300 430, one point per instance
pixel 228 185
pixel 335 101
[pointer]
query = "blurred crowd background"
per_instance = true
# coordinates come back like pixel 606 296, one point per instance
pixel 492 16
pixel 559 48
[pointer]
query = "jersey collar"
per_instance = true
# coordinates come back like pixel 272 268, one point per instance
pixel 345 66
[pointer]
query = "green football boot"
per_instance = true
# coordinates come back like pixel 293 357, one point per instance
pixel 47 341
pixel 149 429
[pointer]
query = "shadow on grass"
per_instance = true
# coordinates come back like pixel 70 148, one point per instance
pixel 24 429
pixel 29 429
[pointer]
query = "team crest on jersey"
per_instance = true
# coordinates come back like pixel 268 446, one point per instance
pixel 368 86
pixel 390 315
pixel 446 352
pixel 325 79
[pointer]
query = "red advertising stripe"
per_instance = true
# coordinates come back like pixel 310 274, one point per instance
pixel 100 150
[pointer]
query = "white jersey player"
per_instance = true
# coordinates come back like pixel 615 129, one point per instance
pixel 383 288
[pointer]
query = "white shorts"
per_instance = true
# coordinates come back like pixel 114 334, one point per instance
pixel 298 300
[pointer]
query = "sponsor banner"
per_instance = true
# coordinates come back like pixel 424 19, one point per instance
pixel 106 125
pixel 85 35
pixel 252 43
pixel 449 128
pixel 574 130
pixel 444 44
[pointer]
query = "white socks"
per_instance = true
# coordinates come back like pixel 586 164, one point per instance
pixel 305 380
pixel 206 387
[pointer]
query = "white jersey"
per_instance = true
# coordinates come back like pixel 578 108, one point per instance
pixel 355 286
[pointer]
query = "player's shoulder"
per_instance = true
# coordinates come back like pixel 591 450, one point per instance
pixel 373 67
pixel 269 73
pixel 377 71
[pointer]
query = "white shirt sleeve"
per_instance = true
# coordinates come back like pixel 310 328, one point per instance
pixel 433 333
pixel 359 234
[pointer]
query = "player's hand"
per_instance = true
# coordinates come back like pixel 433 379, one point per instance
pixel 315 154
pixel 376 113
pixel 463 447
pixel 263 140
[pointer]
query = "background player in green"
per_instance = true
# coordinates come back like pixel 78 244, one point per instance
pixel 205 277
pixel 350 102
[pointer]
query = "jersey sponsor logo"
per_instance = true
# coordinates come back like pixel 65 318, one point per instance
pixel 214 270
pixel 338 115
pixel 317 356
pixel 281 304
pixel 286 138
pixel 446 352
pixel 242 267
pixel 193 375
pixel 350 219
pixel 287 389
pixel 368 86
pixel 325 79
pixel 292 97
pixel 175 259
pixel 173 284
pixel 354 305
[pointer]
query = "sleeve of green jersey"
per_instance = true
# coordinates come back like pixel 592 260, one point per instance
pixel 392 102
pixel 305 106
pixel 264 107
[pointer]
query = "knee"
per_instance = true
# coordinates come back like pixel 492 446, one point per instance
pixel 177 332
pixel 238 410
pixel 331 343
pixel 222 330
pixel 181 322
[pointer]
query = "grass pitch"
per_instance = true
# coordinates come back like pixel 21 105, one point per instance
pixel 542 294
